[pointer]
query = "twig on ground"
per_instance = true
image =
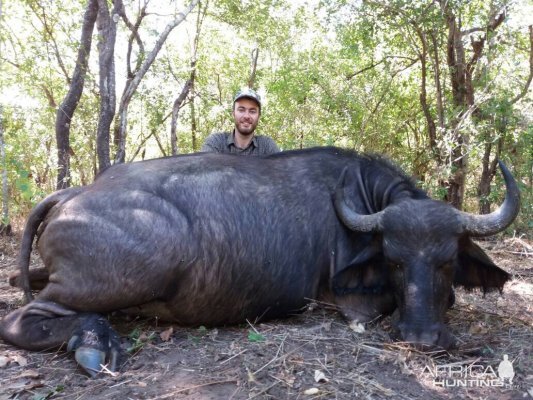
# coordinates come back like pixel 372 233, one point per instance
pixel 175 392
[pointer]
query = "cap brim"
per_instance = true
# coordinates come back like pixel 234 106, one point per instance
pixel 247 97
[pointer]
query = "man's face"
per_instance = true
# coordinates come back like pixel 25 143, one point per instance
pixel 246 115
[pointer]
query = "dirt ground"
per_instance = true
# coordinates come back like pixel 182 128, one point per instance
pixel 315 355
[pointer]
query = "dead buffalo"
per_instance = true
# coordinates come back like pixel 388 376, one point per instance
pixel 212 239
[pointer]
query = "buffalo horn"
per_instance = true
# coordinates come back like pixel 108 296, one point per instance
pixel 352 220
pixel 497 221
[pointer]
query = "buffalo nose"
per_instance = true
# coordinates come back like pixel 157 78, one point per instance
pixel 427 337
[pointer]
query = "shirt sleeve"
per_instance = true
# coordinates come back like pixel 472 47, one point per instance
pixel 271 146
pixel 213 144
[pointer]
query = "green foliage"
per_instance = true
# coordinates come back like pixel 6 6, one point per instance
pixel 335 73
pixel 55 391
pixel 139 339
pixel 254 336
pixel 23 184
pixel 519 155
pixel 25 162
pixel 201 333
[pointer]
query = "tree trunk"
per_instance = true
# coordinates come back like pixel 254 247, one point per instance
pixel 489 167
pixel 456 64
pixel 437 78
pixel 462 81
pixel 70 103
pixel 253 68
pixel 189 85
pixel 432 129
pixel 5 227
pixel 193 120
pixel 487 174
pixel 107 32
pixel 133 84
pixel 178 103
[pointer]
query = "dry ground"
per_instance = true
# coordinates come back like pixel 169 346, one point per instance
pixel 314 355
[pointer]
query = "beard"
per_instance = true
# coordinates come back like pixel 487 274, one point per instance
pixel 245 128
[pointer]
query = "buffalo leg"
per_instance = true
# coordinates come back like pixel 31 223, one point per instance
pixel 38 278
pixel 43 325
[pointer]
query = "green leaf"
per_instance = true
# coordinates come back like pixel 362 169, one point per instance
pixel 40 396
pixel 255 337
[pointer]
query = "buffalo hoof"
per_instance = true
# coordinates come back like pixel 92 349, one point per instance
pixel 96 347
pixel 91 360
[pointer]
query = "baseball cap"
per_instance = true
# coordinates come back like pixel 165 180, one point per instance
pixel 249 94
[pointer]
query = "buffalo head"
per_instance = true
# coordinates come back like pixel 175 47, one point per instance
pixel 424 249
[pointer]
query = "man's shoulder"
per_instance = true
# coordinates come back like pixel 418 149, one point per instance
pixel 218 135
pixel 269 144
pixel 264 138
pixel 215 142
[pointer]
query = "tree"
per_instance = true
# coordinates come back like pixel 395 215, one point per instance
pixel 67 108
pixel 463 88
pixel 189 84
pixel 107 33
pixel 97 10
pixel 135 76
pixel 5 227
pixel 499 116
pixel 453 44
pixel 387 77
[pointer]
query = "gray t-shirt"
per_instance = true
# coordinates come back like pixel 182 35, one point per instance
pixel 225 143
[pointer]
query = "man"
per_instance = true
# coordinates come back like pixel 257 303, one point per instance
pixel 243 140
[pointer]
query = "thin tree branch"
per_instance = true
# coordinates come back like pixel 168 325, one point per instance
pixel 134 28
pixel 131 87
pixel 374 65
pixel 178 104
pixel 66 110
pixel 253 69
pixel 519 96
pixel 50 34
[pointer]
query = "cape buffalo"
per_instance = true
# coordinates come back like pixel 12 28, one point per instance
pixel 213 239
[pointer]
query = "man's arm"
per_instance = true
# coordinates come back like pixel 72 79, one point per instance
pixel 214 143
pixel 270 146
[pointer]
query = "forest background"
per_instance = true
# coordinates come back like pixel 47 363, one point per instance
pixel 441 87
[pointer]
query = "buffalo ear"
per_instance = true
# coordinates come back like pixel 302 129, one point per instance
pixel 364 272
pixel 476 269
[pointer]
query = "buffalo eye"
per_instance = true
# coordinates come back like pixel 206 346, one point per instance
pixel 395 265
pixel 445 266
